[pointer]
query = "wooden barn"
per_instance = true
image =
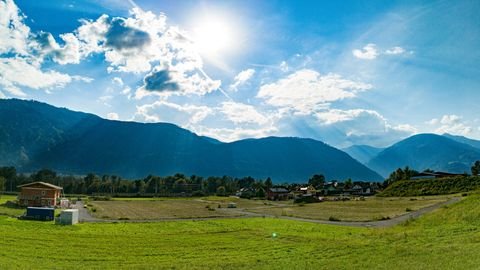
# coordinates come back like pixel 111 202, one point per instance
pixel 39 194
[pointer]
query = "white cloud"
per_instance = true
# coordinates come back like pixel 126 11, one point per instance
pixel 18 72
pixel 369 52
pixel 242 78
pixel 145 43
pixel 306 91
pixel 13 32
pixel 24 52
pixel 112 116
pixel 91 34
pixel 452 124
pixel 118 80
pixel 182 115
pixel 140 43
pixel 228 122
pixel 240 113
pixel 135 43
pixel 333 116
pixel 234 134
pixel 360 126
pixel 406 127
pixel 284 66
pixel 395 50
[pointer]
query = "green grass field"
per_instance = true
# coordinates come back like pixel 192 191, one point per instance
pixel 9 211
pixel 448 238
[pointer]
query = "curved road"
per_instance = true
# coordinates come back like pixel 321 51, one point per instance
pixel 84 216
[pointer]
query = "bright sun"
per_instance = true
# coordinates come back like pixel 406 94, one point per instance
pixel 214 36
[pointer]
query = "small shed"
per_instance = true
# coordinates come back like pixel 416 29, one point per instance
pixel 68 217
pixel 40 213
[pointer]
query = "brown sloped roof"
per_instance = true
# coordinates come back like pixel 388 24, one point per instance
pixel 41 183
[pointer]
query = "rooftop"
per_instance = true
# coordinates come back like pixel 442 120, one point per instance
pixel 40 183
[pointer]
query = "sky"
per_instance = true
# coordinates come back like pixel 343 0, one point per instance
pixel 343 72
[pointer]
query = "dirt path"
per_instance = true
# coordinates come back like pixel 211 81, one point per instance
pixel 84 216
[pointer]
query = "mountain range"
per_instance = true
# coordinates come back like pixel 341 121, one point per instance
pixel 35 135
pixel 427 151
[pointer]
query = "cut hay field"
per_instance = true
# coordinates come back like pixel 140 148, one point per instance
pixel 371 209
pixel 448 238
pixel 156 209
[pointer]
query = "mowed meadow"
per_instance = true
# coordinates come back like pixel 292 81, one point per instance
pixel 448 238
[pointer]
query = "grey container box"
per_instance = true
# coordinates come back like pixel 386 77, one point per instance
pixel 68 217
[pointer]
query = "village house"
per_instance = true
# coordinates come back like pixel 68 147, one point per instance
pixel 39 194
pixel 278 194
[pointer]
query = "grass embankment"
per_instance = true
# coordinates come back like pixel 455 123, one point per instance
pixel 438 186
pixel 449 238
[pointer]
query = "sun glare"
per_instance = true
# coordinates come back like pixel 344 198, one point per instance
pixel 214 36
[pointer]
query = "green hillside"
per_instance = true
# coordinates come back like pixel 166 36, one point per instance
pixel 448 185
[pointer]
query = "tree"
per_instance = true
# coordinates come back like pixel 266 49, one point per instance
pixel 348 183
pixel 2 185
pixel 44 175
pixel 260 193
pixel 476 168
pixel 400 174
pixel 10 175
pixel 316 180
pixel 221 191
pixel 180 185
pixel 268 183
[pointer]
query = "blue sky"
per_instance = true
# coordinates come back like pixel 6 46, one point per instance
pixel 344 72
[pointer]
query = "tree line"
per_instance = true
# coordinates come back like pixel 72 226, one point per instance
pixel 152 185
pixel 407 173
pixel 177 184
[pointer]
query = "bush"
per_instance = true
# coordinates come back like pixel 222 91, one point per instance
pixel 198 193
pixel 408 210
pixel 332 218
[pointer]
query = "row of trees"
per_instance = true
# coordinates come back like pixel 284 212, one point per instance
pixel 156 185
pixel 407 173
pixel 162 186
